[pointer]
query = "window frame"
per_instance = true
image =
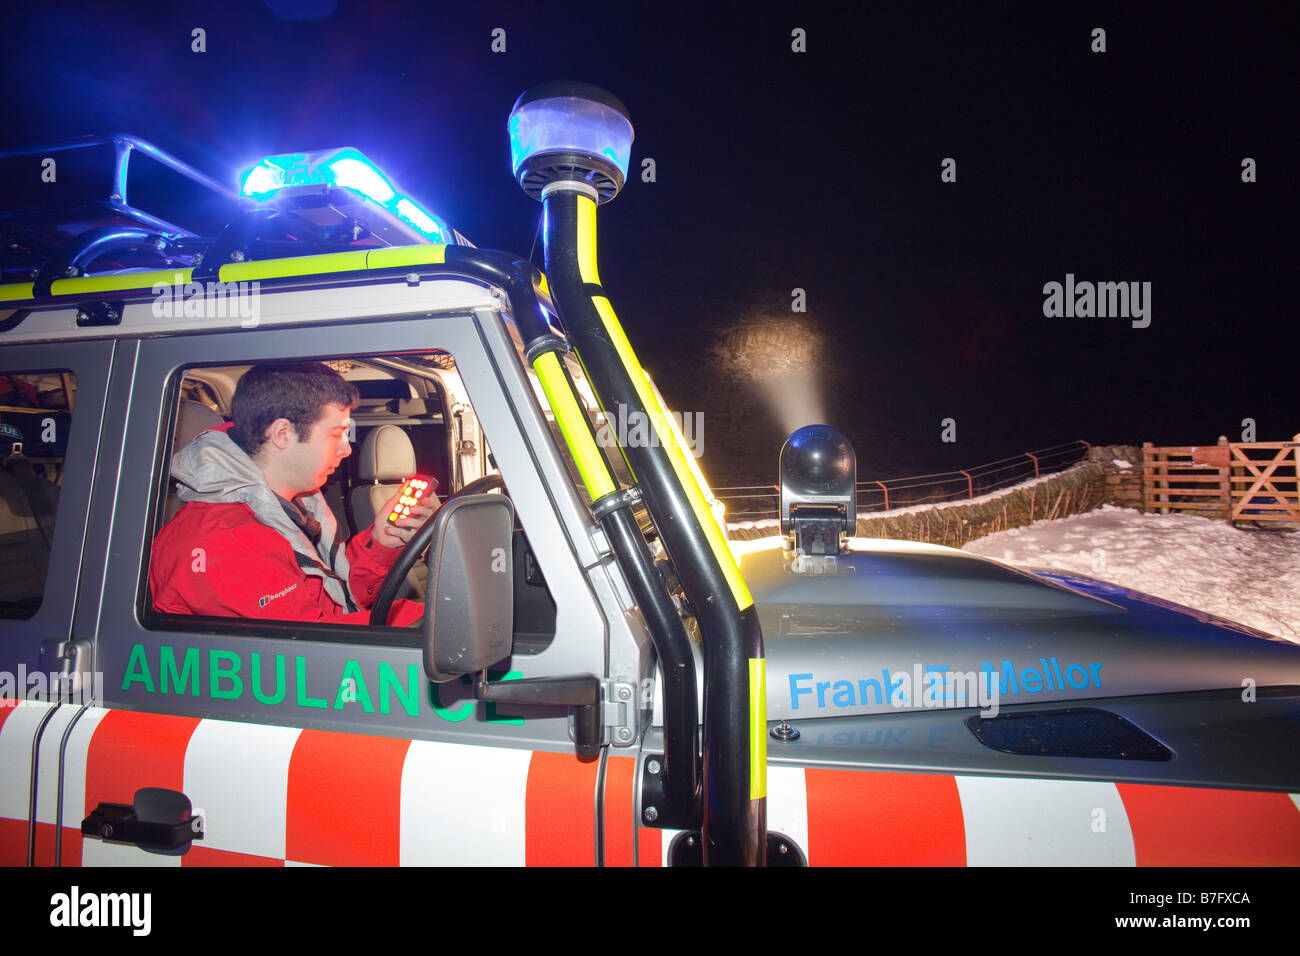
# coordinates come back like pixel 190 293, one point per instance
pixel 161 483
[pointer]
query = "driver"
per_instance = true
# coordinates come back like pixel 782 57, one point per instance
pixel 255 537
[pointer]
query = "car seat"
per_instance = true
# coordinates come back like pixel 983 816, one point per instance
pixel 385 461
pixel 192 418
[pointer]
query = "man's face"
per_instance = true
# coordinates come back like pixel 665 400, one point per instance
pixel 311 462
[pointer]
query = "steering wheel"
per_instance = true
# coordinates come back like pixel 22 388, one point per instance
pixel 412 550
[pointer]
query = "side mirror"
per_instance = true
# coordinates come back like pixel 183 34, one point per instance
pixel 469 615
pixel 469 599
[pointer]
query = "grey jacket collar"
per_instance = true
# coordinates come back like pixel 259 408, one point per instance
pixel 214 470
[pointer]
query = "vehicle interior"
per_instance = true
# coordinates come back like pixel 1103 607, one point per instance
pixel 412 419
pixel 35 419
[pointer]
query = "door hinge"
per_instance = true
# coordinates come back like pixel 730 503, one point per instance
pixel 67 666
pixel 619 712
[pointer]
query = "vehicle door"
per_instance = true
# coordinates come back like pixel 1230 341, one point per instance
pixel 52 424
pixel 324 744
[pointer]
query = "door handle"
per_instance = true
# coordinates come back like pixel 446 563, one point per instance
pixel 159 821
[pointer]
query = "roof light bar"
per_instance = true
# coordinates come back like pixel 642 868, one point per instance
pixel 345 168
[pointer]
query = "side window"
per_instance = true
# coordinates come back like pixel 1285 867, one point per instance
pixel 35 419
pixel 226 545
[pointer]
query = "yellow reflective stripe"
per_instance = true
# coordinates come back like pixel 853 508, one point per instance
pixel 543 285
pixel 123 282
pixel 703 516
pixel 406 256
pixel 15 291
pixel 355 261
pixel 757 729
pixel 572 420
pixel 690 460
pixel 296 266
pixel 587 240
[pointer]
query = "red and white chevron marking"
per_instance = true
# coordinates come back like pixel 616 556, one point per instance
pixel 282 796
pixel 879 818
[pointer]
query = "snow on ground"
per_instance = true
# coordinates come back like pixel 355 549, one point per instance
pixel 1252 577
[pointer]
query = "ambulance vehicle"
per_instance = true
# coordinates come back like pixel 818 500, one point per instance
pixel 598 678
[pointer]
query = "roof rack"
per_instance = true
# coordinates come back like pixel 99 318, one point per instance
pixel 124 145
pixel 44 244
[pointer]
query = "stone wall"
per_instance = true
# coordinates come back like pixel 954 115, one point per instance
pixel 1121 468
pixel 1073 491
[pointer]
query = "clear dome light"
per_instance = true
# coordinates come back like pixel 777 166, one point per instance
pixel 569 124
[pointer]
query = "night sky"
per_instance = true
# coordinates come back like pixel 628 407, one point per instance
pixel 819 170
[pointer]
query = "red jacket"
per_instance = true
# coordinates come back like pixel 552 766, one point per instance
pixel 217 558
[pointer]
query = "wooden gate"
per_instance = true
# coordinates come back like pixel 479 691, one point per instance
pixel 1234 481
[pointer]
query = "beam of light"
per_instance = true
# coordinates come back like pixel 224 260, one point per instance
pixel 784 362
pixel 796 400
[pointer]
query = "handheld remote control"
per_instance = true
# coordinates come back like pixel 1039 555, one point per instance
pixel 414 491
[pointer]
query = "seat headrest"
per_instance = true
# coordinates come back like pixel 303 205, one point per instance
pixel 414 407
pixel 386 455
pixel 193 418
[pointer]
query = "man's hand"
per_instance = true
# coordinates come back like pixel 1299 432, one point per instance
pixel 395 534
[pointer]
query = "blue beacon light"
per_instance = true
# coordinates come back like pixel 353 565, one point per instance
pixel 345 168
pixel 356 172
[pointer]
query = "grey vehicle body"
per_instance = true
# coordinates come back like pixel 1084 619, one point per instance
pixel 899 609
pixel 1175 674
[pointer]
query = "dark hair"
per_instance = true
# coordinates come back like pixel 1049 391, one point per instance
pixel 296 392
